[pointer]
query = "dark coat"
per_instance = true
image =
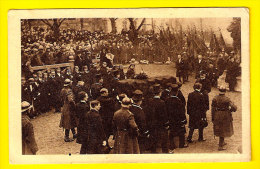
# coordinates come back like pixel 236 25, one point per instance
pixel 68 118
pixel 29 146
pixel 222 109
pixel 196 109
pixel 200 66
pixel 180 67
pixel 176 113
pixel 126 132
pixel 107 112
pixel 156 114
pixel 95 132
pixel 139 117
pixel 81 110
pixel 95 90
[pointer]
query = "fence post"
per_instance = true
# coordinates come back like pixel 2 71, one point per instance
pixel 71 61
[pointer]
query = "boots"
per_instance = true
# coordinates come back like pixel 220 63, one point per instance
pixel 67 139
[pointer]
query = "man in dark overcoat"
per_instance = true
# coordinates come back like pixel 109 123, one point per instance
pixel 222 108
pixel 106 111
pixel 81 110
pixel 177 118
pixel 179 64
pixel 157 121
pixel 96 87
pixel 196 110
pixel 96 137
pixel 139 116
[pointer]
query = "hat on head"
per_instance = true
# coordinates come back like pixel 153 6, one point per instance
pixel 137 95
pixel 26 106
pixel 126 102
pixel 156 88
pixel 222 90
pixel 31 79
pixel 82 95
pixel 121 96
pixel 197 86
pixel 67 82
pixel 103 90
pixel 175 87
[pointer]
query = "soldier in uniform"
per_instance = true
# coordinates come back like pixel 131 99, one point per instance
pixel 125 130
pixel 139 117
pixel 177 118
pixel 81 110
pixel 29 145
pixel 222 108
pixel 95 134
pixel 196 110
pixel 68 119
pixel 157 121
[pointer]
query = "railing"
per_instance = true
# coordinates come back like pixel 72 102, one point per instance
pixel 55 66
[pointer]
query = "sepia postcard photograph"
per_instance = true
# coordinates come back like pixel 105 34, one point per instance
pixel 144 85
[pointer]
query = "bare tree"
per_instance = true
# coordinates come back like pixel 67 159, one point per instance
pixel 133 30
pixel 81 23
pixel 113 25
pixel 54 24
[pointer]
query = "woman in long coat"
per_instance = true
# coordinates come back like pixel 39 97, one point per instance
pixel 222 117
pixel 126 130
pixel 68 120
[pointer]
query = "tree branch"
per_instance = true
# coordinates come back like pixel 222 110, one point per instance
pixel 61 21
pixel 46 22
pixel 141 24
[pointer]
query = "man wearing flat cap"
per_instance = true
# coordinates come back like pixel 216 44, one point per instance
pixel 177 118
pixel 222 108
pixel 157 121
pixel 29 145
pixel 139 117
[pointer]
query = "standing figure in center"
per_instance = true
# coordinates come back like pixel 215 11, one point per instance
pixel 125 130
pixel 196 107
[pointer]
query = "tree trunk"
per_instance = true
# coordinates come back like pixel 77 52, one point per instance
pixel 81 23
pixel 113 25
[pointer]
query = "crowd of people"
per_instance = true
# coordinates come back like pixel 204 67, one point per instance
pixel 93 108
